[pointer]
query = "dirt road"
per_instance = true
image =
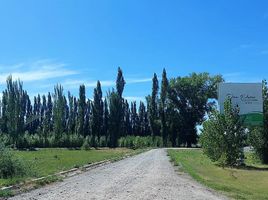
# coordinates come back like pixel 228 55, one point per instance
pixel 148 176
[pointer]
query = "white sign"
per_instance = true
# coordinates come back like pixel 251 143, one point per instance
pixel 247 96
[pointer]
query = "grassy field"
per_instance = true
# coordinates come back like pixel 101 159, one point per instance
pixel 49 161
pixel 248 183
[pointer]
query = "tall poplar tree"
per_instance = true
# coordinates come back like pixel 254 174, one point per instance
pixel 58 112
pixel 43 117
pixel 163 107
pixel 71 120
pixel 15 97
pixel 134 119
pixel 127 121
pixel 152 102
pixel 120 85
pixel 49 113
pixel 81 110
pixel 106 121
pixel 87 118
pixel 142 119
pixel 97 114
pixel 115 118
pixel 120 82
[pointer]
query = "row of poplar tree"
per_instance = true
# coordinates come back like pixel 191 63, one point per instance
pixel 172 114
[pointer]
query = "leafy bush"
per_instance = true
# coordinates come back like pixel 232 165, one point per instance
pixel 223 136
pixel 76 140
pixel 136 142
pixel 28 141
pixel 103 142
pixel 258 138
pixel 157 142
pixel 10 165
pixel 4 139
pixel 86 145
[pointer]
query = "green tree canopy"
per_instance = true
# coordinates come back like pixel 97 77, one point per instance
pixel 192 97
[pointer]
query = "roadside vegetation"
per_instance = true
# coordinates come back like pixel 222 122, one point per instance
pixel 11 165
pixel 248 182
pixel 222 163
pixel 258 136
pixel 19 166
pixel 137 142
pixel 223 136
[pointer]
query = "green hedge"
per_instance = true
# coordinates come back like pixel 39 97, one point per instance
pixel 136 142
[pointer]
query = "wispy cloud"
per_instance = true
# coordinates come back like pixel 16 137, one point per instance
pixel 76 83
pixel 34 71
pixel 104 83
pixel 11 67
pixel 40 77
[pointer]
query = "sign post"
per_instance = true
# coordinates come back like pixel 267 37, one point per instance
pixel 247 96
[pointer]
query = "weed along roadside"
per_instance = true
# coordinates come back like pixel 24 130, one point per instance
pixel 248 182
pixel 52 165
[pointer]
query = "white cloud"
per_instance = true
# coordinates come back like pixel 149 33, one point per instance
pixel 77 83
pixel 34 71
pixel 44 74
pixel 104 83
pixel 11 67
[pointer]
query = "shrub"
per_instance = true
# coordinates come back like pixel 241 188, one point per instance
pixel 76 140
pixel 223 136
pixel 139 142
pixel 103 142
pixel 10 165
pixel 258 138
pixel 136 142
pixel 158 142
pixel 121 142
pixel 4 139
pixel 86 145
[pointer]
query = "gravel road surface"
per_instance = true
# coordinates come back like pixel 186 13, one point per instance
pixel 147 176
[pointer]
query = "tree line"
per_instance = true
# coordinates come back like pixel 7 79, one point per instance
pixel 171 112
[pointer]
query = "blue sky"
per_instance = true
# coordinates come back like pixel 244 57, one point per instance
pixel 46 42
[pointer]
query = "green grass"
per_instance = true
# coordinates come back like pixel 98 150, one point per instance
pixel 248 183
pixel 6 193
pixel 49 161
